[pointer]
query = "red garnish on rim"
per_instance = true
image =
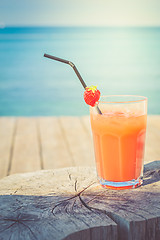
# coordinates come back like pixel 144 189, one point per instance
pixel 91 95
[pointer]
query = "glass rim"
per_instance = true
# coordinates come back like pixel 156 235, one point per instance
pixel 141 99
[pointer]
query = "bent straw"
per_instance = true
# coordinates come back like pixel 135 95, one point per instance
pixel 74 68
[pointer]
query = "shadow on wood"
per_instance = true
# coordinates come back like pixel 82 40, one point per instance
pixel 69 204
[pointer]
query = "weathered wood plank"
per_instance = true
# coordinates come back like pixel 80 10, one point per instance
pixel 39 212
pixel 54 150
pixel 154 120
pixel 79 141
pixel 87 124
pixel 152 151
pixel 7 129
pixel 26 156
pixel 76 144
pixel 70 204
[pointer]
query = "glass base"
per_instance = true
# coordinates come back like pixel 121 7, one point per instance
pixel 121 185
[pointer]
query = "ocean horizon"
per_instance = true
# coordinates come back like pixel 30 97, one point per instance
pixel 119 60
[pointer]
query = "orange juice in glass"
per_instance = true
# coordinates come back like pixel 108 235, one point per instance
pixel 119 140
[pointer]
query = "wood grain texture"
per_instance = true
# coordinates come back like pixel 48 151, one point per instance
pixel 152 151
pixel 47 205
pixel 50 142
pixel 54 149
pixel 86 121
pixel 79 142
pixel 26 155
pixel 7 134
pixel 69 204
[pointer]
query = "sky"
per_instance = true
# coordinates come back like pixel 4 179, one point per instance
pixel 79 13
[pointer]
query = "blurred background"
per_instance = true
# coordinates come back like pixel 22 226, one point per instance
pixel 114 44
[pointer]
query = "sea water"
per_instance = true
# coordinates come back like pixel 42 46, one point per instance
pixel 118 60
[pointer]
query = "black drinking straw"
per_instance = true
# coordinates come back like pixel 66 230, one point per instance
pixel 74 68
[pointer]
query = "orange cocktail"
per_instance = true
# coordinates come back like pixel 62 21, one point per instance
pixel 119 139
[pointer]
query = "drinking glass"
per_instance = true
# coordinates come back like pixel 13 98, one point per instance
pixel 119 140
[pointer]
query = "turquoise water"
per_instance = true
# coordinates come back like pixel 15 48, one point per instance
pixel 118 60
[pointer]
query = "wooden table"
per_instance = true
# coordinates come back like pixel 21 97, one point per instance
pixel 69 204
pixel 31 144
